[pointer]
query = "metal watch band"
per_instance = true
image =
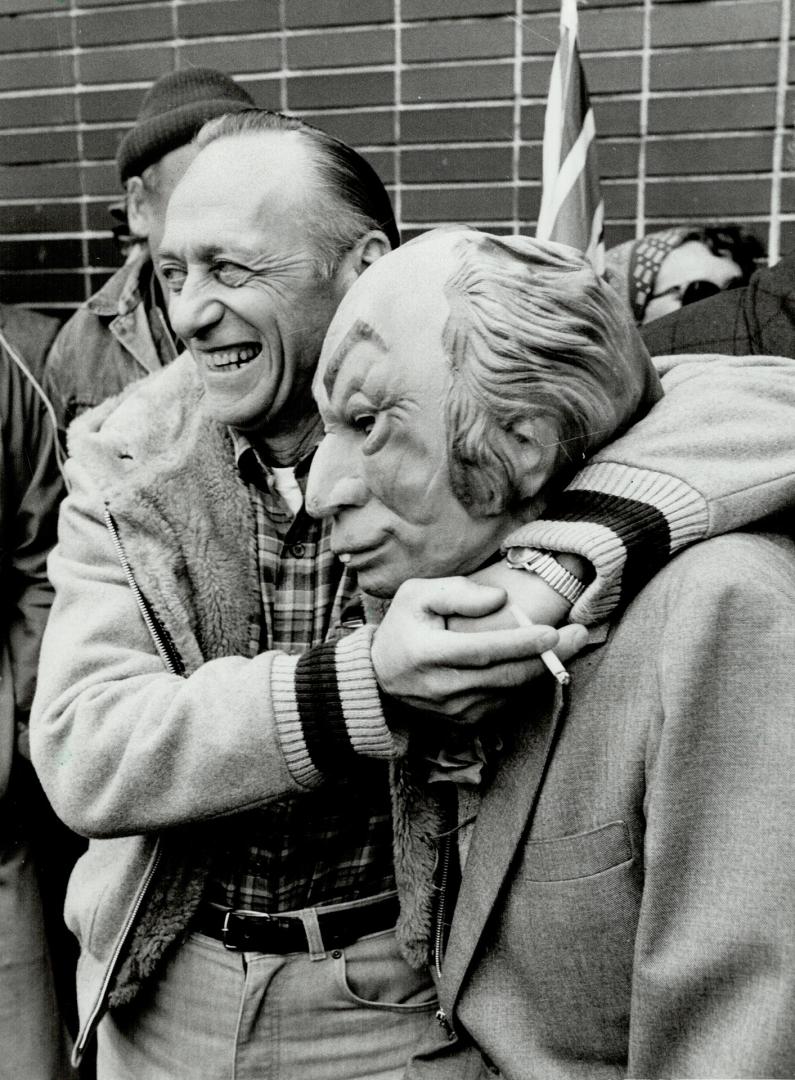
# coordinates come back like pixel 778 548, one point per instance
pixel 553 574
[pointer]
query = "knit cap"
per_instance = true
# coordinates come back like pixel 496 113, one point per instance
pixel 632 268
pixel 173 111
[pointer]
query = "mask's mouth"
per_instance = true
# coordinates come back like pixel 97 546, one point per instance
pixel 357 552
pixel 233 357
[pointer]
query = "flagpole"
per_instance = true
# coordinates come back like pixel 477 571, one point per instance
pixel 572 210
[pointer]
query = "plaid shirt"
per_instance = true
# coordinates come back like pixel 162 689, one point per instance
pixel 334 843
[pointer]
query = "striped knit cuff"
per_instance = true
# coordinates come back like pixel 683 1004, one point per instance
pixel 626 522
pixel 328 708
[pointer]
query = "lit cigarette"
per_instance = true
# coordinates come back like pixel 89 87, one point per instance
pixel 548 658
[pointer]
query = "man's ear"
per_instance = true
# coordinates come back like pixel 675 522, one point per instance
pixel 138 212
pixel 367 250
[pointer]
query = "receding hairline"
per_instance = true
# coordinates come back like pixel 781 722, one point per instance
pixel 302 149
pixel 295 178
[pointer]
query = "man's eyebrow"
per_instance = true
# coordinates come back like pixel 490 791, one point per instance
pixel 204 253
pixel 360 331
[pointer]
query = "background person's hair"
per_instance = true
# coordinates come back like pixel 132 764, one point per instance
pixel 351 199
pixel 533 333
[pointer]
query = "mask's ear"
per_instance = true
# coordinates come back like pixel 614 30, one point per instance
pixel 494 471
pixel 367 250
pixel 532 447
pixel 138 210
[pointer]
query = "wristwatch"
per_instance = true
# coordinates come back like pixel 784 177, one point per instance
pixel 550 571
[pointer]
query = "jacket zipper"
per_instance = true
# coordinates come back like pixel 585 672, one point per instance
pixel 445 854
pixel 164 648
pixel 173 666
pixel 444 876
pixel 99 1005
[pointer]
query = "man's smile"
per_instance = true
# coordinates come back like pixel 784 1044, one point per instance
pixel 229 357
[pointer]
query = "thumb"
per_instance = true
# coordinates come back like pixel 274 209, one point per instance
pixel 572 638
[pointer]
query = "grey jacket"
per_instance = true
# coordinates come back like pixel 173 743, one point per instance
pixel 627 902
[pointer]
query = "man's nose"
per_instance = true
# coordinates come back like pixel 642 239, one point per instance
pixel 194 308
pixel 334 482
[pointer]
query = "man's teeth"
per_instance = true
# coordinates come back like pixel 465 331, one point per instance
pixel 233 357
pixel 344 557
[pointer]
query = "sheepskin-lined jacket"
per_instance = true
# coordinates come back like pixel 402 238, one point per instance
pixel 153 718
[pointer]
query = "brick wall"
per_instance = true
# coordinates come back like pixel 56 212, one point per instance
pixel 445 97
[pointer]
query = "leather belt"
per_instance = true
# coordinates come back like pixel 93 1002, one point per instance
pixel 260 931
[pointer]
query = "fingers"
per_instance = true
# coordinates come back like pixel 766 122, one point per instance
pixel 451 596
pixel 492 649
pixel 462 676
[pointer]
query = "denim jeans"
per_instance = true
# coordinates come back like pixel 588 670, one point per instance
pixel 33 1041
pixel 348 1013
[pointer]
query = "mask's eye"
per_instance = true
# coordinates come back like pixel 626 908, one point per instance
pixel 229 273
pixel 173 276
pixel 364 423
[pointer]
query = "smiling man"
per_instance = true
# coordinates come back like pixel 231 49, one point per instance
pixel 209 709
pixel 617 915
pixel 122 332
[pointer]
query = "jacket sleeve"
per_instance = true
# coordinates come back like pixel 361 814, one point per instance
pixel 713 990
pixel 715 454
pixel 54 380
pixel 123 745
pixel 29 534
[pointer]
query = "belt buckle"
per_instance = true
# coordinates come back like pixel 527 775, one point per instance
pixel 225 929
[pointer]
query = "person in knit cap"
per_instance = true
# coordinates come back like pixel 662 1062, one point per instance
pixel 667 270
pixel 122 332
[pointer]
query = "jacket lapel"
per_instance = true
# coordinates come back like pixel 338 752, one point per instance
pixel 503 819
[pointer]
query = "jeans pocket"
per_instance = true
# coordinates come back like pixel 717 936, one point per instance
pixel 371 973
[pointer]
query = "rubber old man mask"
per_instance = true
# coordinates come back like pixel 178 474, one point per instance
pixel 442 424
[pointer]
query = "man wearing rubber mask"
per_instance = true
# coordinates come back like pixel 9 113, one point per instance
pixel 601 915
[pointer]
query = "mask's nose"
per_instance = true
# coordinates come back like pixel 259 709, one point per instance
pixel 333 483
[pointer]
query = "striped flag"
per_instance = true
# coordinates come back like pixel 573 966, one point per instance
pixel 572 210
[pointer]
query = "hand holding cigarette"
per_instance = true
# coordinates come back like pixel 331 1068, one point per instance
pixel 548 658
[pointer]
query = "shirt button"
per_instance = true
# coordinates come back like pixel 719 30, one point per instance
pixel 297 551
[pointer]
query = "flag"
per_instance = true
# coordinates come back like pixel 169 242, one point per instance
pixel 572 210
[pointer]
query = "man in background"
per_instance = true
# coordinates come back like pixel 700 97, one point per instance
pixel 32 1033
pixel 758 319
pixel 671 269
pixel 123 332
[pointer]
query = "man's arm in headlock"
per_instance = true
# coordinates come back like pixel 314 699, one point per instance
pixel 715 454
